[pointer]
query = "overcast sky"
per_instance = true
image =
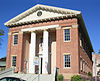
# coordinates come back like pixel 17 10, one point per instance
pixel 90 10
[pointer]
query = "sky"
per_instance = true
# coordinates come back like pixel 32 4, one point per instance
pixel 90 11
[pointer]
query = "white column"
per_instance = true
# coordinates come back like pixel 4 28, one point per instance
pixel 32 52
pixel 45 52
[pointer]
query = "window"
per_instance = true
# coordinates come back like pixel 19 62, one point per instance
pixel 66 60
pixel 14 61
pixel 81 64
pixel 48 41
pixel 15 39
pixel 66 34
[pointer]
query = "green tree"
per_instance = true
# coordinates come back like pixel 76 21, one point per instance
pixel 99 52
pixel 1 33
pixel 89 74
pixel 60 77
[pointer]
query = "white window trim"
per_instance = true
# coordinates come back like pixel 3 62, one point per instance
pixel 11 60
pixel 64 60
pixel 64 34
pixel 13 39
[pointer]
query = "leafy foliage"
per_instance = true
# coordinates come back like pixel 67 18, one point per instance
pixel 60 78
pixel 89 74
pixel 76 78
pixel 1 32
pixel 99 52
pixel 98 65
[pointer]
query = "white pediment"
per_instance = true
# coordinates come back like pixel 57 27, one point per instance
pixel 45 15
pixel 30 15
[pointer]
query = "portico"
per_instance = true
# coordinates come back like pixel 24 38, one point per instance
pixel 40 46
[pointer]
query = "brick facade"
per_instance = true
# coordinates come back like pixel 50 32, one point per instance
pixel 73 47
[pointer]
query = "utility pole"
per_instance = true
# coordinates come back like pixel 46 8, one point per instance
pixel 95 67
pixel 39 64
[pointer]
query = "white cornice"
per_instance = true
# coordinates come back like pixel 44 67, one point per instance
pixel 39 20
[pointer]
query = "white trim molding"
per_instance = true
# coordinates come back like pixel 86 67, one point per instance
pixel 40 28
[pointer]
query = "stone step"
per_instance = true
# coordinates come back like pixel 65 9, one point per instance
pixel 33 77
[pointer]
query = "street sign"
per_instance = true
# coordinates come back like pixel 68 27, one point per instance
pixel 36 60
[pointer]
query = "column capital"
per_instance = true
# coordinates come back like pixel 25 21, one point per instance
pixel 33 31
pixel 46 29
pixel 9 33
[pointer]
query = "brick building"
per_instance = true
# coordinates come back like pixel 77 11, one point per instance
pixel 96 64
pixel 2 63
pixel 57 36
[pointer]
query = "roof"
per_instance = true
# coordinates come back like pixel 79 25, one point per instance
pixel 3 59
pixel 2 63
pixel 67 13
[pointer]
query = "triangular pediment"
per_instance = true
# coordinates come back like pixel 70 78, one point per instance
pixel 39 13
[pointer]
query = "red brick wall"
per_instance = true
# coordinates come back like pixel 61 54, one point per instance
pixel 15 50
pixel 8 60
pixel 20 51
pixel 71 47
pixel 84 56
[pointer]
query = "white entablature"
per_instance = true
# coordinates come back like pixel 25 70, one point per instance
pixel 40 28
